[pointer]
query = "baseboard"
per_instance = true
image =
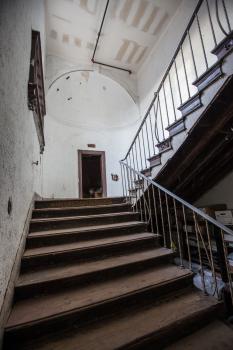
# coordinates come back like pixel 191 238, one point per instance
pixel 9 294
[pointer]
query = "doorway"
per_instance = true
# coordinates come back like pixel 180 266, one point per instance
pixel 92 174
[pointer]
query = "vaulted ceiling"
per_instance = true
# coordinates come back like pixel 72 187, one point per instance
pixel 130 31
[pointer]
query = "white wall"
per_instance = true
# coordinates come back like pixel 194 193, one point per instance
pixel 100 112
pixel 18 140
pixel 222 193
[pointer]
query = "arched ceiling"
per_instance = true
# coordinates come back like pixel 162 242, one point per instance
pixel 76 100
pixel 131 29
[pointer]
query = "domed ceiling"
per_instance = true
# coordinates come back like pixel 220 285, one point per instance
pixel 90 100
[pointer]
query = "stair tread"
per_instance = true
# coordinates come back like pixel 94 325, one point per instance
pixel 86 207
pixel 86 244
pixel 64 271
pixel 122 330
pixel 83 217
pixel 68 300
pixel 78 199
pixel 85 228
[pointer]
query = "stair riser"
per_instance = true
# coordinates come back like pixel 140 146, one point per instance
pixel 41 241
pixel 81 222
pixel 161 340
pixel 79 211
pixel 88 253
pixel 84 316
pixel 49 286
pixel 77 202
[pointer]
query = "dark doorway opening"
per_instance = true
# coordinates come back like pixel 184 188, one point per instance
pixel 92 177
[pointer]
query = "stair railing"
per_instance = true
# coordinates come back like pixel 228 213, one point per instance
pixel 198 240
pixel 209 25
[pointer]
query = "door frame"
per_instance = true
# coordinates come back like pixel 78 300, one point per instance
pixel 102 169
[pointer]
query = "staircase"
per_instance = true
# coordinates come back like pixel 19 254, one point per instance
pixel 93 277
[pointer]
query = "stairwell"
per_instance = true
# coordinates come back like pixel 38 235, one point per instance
pixel 100 274
pixel 93 277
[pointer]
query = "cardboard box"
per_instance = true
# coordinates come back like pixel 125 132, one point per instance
pixel 225 217
pixel 211 209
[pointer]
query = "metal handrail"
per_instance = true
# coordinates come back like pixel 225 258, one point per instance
pixel 170 218
pixel 182 201
pixel 174 105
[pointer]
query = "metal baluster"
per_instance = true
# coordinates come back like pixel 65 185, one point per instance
pixel 169 220
pixel 202 42
pixel 161 118
pixel 141 198
pixel 173 103
pixel 134 180
pixel 148 143
pixel 155 208
pixel 129 183
pixel 140 152
pixel 227 266
pixel 138 179
pixel 226 15
pixel 144 148
pixel 162 220
pixel 211 22
pixel 211 257
pixel 136 158
pixel 152 135
pixel 185 70
pixel 178 82
pixel 133 191
pixel 123 189
pixel 178 234
pixel 187 238
pixel 144 199
pixel 150 208
pixel 126 185
pixel 150 189
pixel 156 123
pixel 191 48
pixel 199 253
pixel 124 177
pixel 165 101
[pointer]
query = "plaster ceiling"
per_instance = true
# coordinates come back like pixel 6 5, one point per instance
pixel 130 31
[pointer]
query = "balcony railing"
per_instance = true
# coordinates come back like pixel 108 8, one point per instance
pixel 179 91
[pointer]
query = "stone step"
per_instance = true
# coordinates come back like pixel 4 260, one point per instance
pixel 79 211
pixel 51 237
pixel 80 221
pixel 36 316
pixel 76 202
pixel 56 277
pixel 91 249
